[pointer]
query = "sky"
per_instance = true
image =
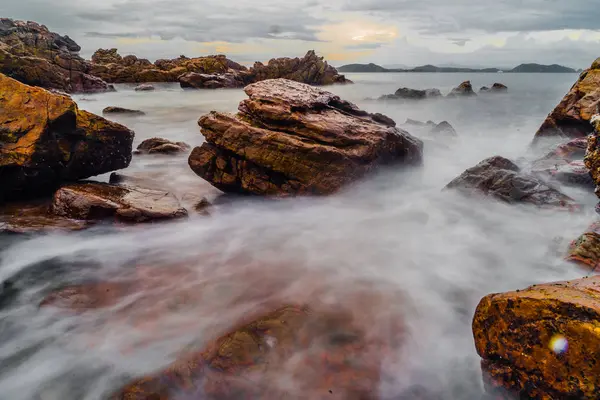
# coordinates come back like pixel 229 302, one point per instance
pixel 477 33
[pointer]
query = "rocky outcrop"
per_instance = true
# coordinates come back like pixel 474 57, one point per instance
pixel 310 69
pixel 45 140
pixel 542 342
pixel 465 89
pixel 161 146
pixel 98 201
pixel 121 110
pixel 592 155
pixel 31 54
pixel 289 138
pixel 412 94
pixel 502 179
pixel 571 117
pixel 195 80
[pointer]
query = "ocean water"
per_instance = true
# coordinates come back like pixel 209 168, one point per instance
pixel 428 255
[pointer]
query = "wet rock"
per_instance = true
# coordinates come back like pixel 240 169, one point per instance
pixel 144 88
pixel 571 117
pixel 322 354
pixel 592 155
pixel 412 94
pixel 89 296
pixel 195 80
pixel 465 89
pixel 541 342
pixel 289 138
pixel 162 146
pixel 585 250
pixel 34 217
pixel 121 110
pixel 310 69
pixel 45 140
pixel 33 55
pixel 98 201
pixel 502 179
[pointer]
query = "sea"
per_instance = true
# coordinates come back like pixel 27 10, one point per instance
pixel 433 253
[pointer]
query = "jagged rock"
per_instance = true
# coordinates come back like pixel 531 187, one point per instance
pixel 97 201
pixel 31 54
pixel 465 89
pixel 310 69
pixel 45 140
pixel 290 138
pixel 162 146
pixel 34 217
pixel 121 110
pixel 502 179
pixel 571 117
pixel 144 88
pixel 211 81
pixel 542 342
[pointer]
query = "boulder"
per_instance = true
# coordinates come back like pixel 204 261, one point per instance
pixel 502 179
pixel 31 54
pixel 161 146
pixel 289 138
pixel 45 140
pixel 465 89
pixel 195 80
pixel 310 69
pixel 144 87
pixel 412 94
pixel 444 128
pixel 542 342
pixel 585 250
pixel 121 110
pixel 571 117
pixel 98 201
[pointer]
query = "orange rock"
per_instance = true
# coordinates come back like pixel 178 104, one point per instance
pixel 542 342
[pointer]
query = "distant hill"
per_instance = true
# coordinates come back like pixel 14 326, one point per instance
pixel 541 68
pixel 432 68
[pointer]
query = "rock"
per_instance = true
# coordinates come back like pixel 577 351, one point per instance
pixel 542 342
pixel 293 139
pixel 498 87
pixel 90 296
pixel 412 94
pixel 592 155
pixel 585 250
pixel 97 201
pixel 121 110
pixel 571 117
pixel 502 179
pixel 444 128
pixel 162 146
pixel 320 354
pixel 565 164
pixel 34 217
pixel 45 140
pixel 144 88
pixel 465 89
pixel 33 55
pixel 211 81
pixel 310 69
pixel 484 89
pixel 203 206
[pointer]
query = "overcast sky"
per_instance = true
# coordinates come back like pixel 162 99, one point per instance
pixel 500 33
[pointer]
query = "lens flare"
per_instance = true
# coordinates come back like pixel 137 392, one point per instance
pixel 559 344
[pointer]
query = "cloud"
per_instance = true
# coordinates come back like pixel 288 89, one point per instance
pixel 460 42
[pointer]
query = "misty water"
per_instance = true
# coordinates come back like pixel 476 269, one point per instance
pixel 431 254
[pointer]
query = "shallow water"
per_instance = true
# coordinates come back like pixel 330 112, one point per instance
pixel 435 253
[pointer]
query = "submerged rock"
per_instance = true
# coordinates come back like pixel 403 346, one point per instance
pixel 571 117
pixel 34 217
pixel 412 94
pixel 45 140
pixel 162 146
pixel 98 201
pixel 444 128
pixel 290 138
pixel 144 88
pixel 465 89
pixel 121 110
pixel 211 81
pixel 542 342
pixel 502 179
pixel 33 55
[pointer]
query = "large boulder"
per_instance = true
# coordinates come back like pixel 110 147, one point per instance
pixel 502 179
pixel 311 69
pixel 45 140
pixel 32 54
pixel 289 138
pixel 97 201
pixel 542 342
pixel 571 117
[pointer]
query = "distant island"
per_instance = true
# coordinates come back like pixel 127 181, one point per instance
pixel 554 68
